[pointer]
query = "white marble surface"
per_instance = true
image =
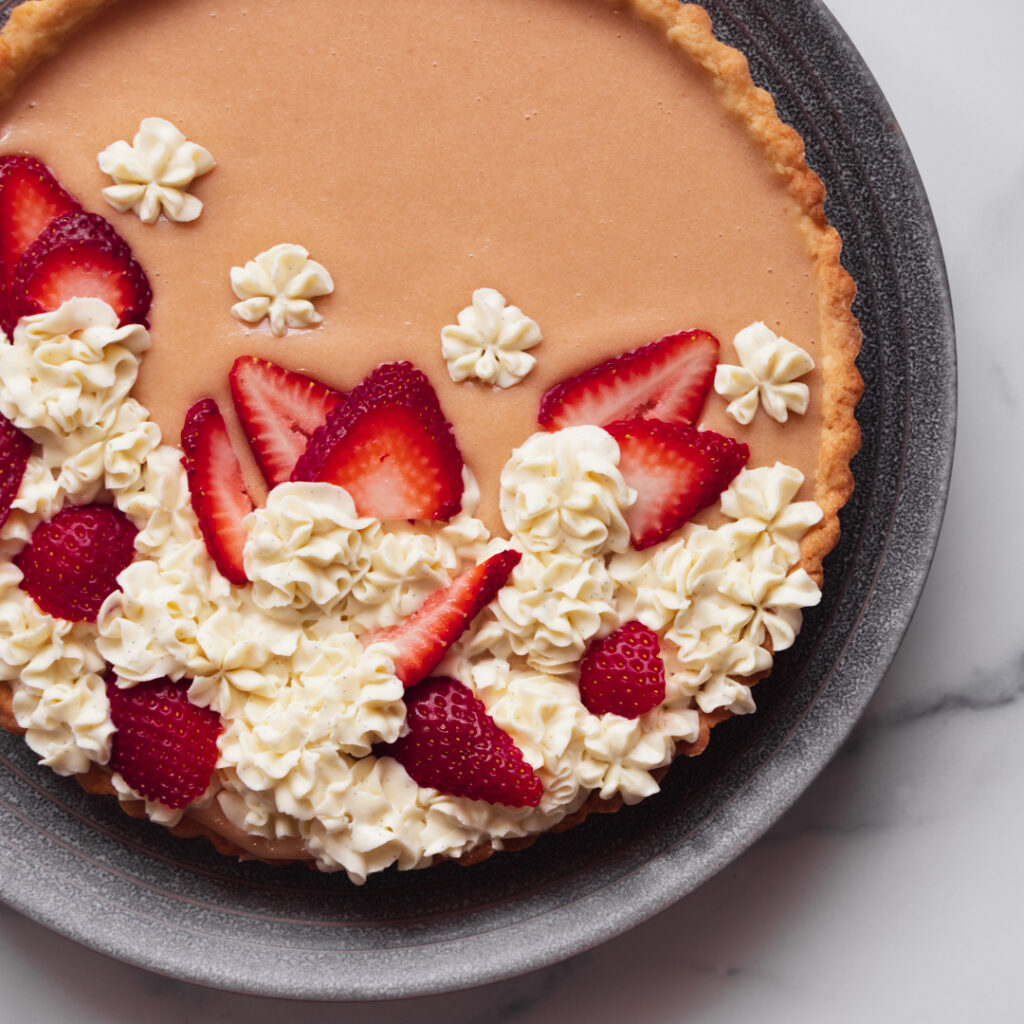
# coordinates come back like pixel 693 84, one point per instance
pixel 892 891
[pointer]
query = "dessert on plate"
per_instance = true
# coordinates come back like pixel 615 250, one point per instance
pixel 417 433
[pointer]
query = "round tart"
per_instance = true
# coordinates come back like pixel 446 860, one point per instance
pixel 475 393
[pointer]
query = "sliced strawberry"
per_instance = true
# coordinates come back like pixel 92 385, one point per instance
pixel 220 498
pixel 390 447
pixel 425 636
pixel 15 449
pixel 667 380
pixel 165 746
pixel 454 746
pixel 30 198
pixel 70 563
pixel 623 674
pixel 80 254
pixel 676 471
pixel 280 410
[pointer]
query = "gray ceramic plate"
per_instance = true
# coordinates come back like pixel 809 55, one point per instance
pixel 80 866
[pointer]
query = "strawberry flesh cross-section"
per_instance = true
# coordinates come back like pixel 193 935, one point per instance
pixel 219 496
pixel 667 380
pixel 30 199
pixel 389 445
pixel 79 255
pixel 676 470
pixel 279 411
pixel 424 637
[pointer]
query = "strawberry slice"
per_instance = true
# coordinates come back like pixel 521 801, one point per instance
pixel 220 498
pixel 15 448
pixel 165 746
pixel 80 254
pixel 30 198
pixel 623 674
pixel 454 746
pixel 390 447
pixel 280 410
pixel 70 563
pixel 676 471
pixel 425 636
pixel 667 380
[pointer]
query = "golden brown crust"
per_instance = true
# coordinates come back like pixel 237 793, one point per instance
pixel 38 28
pixel 689 27
pixel 7 719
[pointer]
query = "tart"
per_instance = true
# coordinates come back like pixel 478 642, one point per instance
pixel 415 571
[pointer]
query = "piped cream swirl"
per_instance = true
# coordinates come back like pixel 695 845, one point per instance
pixel 563 491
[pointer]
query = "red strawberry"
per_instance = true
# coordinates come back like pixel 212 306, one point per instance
pixel 623 674
pixel 30 198
pixel 390 447
pixel 220 498
pixel 70 564
pixel 165 746
pixel 15 449
pixel 667 380
pixel 676 471
pixel 424 637
pixel 279 409
pixel 454 746
pixel 80 254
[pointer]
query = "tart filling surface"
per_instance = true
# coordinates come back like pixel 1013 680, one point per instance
pixel 620 183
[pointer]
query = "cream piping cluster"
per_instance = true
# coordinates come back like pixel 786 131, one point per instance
pixel 302 700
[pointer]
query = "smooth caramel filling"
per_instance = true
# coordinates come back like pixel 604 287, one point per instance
pixel 558 152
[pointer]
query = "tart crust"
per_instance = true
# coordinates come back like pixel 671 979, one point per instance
pixel 39 28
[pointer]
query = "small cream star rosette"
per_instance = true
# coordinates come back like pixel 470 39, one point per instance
pixel 152 175
pixel 489 340
pixel 767 375
pixel 280 284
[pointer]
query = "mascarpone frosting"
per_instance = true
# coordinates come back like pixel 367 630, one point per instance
pixel 69 369
pixel 280 285
pixel 562 491
pixel 767 375
pixel 307 546
pixel 489 341
pixel 153 173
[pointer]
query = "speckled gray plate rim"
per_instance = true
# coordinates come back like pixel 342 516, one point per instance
pixel 78 865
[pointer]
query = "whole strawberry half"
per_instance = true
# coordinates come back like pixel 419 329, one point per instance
pixel 424 637
pixel 80 254
pixel 676 470
pixel 70 564
pixel 279 410
pixel 454 746
pixel 216 486
pixel 667 380
pixel 389 445
pixel 15 448
pixel 165 746
pixel 30 198
pixel 623 673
